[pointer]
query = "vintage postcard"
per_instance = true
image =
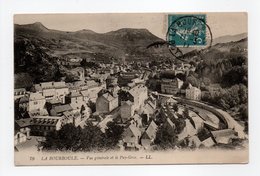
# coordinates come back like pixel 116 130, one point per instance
pixel 130 88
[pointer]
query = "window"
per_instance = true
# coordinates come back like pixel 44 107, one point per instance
pixel 35 103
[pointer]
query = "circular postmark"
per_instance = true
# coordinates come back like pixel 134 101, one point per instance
pixel 188 30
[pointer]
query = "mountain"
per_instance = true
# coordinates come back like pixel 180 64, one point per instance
pixel 85 43
pixel 229 38
pixel 34 27
pixel 239 44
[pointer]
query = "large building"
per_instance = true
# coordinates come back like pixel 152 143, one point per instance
pixel 22 131
pixel 171 86
pixel 193 93
pixel 36 102
pixel 149 109
pixel 71 117
pixel 18 93
pixel 91 89
pixel 139 94
pixel 70 62
pixel 106 103
pixel 59 110
pixel 127 111
pixel 52 90
pixel 127 77
pixel 149 135
pixel 131 136
pixel 42 125
pixel 75 99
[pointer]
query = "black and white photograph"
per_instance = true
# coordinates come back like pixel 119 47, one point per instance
pixel 131 88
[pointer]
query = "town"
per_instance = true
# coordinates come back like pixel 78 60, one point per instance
pixel 152 112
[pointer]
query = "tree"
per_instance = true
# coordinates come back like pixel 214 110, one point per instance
pixel 193 81
pixel 164 139
pixel 92 106
pixel 203 134
pixel 123 95
pixel 69 78
pixel 26 115
pixel 23 80
pixel 222 103
pixel 58 75
pixel 243 95
pixel 246 127
pixel 186 113
pixel 17 112
pixel 82 109
pixel 67 138
pixel 206 81
pixel 234 96
pixel 237 59
pixel 154 63
pixel 83 63
pixel 168 75
pixel 229 97
pixel 244 112
pixel 181 76
pixel 235 75
pixel 113 134
pixel 175 107
pixel 193 63
pixel 180 124
pixel 92 138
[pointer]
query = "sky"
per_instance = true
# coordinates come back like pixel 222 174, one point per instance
pixel 220 23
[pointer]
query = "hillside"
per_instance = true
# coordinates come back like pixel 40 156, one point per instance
pixel 238 46
pixel 229 38
pixel 223 63
pixel 123 42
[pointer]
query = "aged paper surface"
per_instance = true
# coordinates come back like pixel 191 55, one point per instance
pixel 132 88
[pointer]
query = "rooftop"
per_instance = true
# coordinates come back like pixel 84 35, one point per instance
pixel 36 96
pixel 20 91
pixel 128 102
pixel 62 108
pixel 74 94
pixel 45 120
pixel 108 96
pixel 49 85
pixel 23 122
pixel 168 120
pixel 151 130
pixel 135 91
pixel 225 132
pixel 24 99
pixel 136 131
pixel 171 80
